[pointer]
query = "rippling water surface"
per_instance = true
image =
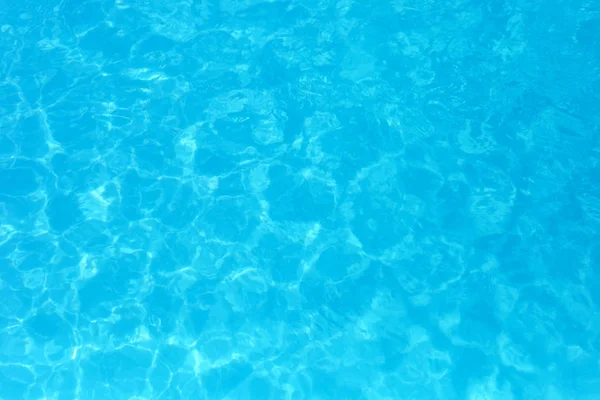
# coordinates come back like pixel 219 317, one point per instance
pixel 299 199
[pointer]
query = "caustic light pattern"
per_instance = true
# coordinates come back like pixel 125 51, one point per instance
pixel 250 199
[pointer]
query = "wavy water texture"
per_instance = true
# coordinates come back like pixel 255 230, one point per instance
pixel 267 199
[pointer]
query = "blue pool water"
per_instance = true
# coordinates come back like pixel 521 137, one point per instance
pixel 268 199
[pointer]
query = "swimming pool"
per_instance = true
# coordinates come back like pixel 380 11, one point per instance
pixel 299 200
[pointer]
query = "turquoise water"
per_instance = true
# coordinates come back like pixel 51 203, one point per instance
pixel 299 199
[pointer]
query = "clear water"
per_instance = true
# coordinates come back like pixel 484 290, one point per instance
pixel 299 199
